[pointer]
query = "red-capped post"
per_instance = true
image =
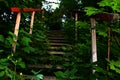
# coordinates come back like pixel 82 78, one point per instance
pixel 17 24
pixel 31 22
pixel 31 10
pixel 32 16
pixel 43 13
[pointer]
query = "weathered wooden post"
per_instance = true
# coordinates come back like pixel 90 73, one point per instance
pixel 18 18
pixel 108 17
pixel 32 21
pixel 109 43
pixel 17 24
pixel 93 38
pixel 76 34
pixel 31 10
pixel 43 14
pixel 76 31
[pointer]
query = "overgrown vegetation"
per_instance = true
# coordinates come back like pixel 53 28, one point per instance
pixel 80 64
pixel 77 63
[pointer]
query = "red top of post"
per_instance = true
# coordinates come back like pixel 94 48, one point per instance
pixel 38 10
pixel 15 9
pixel 27 9
pixel 31 10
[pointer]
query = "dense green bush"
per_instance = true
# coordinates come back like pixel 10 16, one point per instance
pixel 79 66
pixel 29 49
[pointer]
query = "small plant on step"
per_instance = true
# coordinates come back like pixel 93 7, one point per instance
pixel 36 76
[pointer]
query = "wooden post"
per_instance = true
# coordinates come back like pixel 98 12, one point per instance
pixel 32 16
pixel 76 34
pixel 108 56
pixel 32 21
pixel 43 14
pixel 16 30
pixel 76 19
pixel 93 37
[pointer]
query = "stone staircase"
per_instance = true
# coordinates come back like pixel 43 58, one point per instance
pixel 56 43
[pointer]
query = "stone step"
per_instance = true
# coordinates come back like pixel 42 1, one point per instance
pixel 56 52
pixel 28 77
pixel 58 44
pixel 54 47
pixel 57 41
pixel 58 34
pixel 49 78
pixel 46 66
pixel 56 38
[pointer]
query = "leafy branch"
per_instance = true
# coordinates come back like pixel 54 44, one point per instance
pixel 113 4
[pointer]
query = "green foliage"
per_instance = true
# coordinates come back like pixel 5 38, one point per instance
pixel 37 75
pixel 102 29
pixel 25 40
pixel 1 51
pixel 104 34
pixel 83 25
pixel 77 64
pixel 31 45
pixel 117 30
pixel 70 27
pixel 115 65
pixel 89 3
pixel 1 38
pixel 8 67
pixel 9 64
pixel 67 75
pixel 107 6
pixel 114 4
pixel 70 5
pixel 9 40
pixel 91 11
pixel 82 51
pixel 6 44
